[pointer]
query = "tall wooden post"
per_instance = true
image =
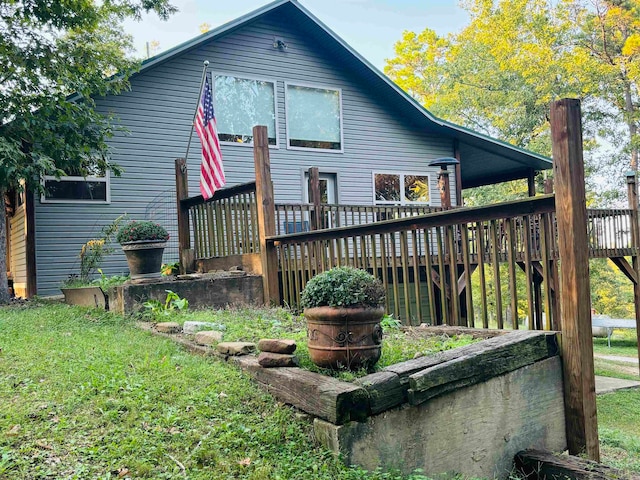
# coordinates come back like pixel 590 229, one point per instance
pixel 458 169
pixel 314 193
pixel 571 214
pixel 445 189
pixel 185 253
pixel 632 192
pixel 266 215
pixel 531 183
pixel 556 323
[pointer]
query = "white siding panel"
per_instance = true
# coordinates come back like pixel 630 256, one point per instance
pixel 157 113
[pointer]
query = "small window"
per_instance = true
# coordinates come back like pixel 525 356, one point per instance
pixel 76 189
pixel 314 118
pixel 401 188
pixel 241 104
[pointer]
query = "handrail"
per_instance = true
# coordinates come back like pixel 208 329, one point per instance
pixel 529 206
pixel 220 194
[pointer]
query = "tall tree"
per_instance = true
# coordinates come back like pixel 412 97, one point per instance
pixel 54 58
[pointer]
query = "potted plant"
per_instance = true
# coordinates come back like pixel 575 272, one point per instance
pixel 343 309
pixel 143 243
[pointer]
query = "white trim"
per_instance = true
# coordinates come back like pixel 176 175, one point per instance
pixel 106 179
pixel 403 202
pixel 272 81
pixel 317 87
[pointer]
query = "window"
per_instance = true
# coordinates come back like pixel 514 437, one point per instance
pixel 241 104
pixel 314 118
pixel 400 188
pixel 76 189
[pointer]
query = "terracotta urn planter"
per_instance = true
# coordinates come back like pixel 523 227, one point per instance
pixel 144 258
pixel 340 338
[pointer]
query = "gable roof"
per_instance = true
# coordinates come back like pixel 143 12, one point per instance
pixel 484 160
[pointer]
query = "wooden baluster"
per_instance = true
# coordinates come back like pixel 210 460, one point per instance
pixel 394 276
pixel 483 284
pixel 511 265
pixel 464 233
pixel 527 271
pixel 453 275
pixel 385 272
pixel 496 272
pixel 416 275
pixel 429 276
pixel 444 305
pixel 404 261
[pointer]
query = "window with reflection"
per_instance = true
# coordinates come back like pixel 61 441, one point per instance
pixel 400 188
pixel 314 118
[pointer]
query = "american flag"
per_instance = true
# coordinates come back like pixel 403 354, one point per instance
pixel 211 170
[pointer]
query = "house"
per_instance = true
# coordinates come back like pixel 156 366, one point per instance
pixel 324 106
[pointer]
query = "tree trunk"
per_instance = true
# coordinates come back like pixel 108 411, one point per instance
pixel 4 286
pixel 633 127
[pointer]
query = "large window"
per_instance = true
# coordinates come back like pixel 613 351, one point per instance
pixel 74 188
pixel 400 188
pixel 241 104
pixel 314 118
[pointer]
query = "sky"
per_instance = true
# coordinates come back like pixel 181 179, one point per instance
pixel 371 27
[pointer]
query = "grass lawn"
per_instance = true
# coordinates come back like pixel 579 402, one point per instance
pixel 619 428
pixel 85 394
pixel 623 344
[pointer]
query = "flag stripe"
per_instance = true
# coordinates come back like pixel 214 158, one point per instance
pixel 211 169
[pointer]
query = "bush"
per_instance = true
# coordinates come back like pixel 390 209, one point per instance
pixel 137 231
pixel 343 287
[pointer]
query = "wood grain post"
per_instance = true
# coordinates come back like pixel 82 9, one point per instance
pixel 632 193
pixel 531 183
pixel 445 190
pixel 577 346
pixel 30 242
pixel 314 194
pixel 266 215
pixel 185 254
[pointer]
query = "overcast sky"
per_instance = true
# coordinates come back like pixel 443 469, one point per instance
pixel 370 26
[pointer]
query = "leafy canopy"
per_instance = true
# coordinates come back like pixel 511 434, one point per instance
pixel 55 57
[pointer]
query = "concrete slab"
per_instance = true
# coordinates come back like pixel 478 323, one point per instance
pixel 609 384
pixel 618 358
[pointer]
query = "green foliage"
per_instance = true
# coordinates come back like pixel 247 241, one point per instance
pixel 390 324
pixel 93 252
pixel 343 287
pixel 139 230
pixel 169 269
pixel 172 304
pixel 501 71
pixel 114 401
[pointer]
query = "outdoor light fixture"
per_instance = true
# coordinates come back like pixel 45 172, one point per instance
pixel 443 179
pixel 279 44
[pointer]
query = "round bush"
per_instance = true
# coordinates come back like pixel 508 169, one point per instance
pixel 137 231
pixel 343 287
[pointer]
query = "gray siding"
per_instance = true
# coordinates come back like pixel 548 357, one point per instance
pixel 158 113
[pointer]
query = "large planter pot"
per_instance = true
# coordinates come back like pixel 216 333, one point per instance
pixel 86 297
pixel 144 258
pixel 344 338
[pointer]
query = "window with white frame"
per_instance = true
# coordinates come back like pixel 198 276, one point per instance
pixel 75 188
pixel 400 188
pixel 241 104
pixel 314 117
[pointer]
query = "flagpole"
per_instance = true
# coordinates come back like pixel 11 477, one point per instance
pixel 195 114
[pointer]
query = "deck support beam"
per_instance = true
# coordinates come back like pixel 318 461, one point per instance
pixel 571 214
pixel 632 194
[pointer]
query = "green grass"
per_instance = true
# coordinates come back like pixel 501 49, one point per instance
pixel 85 394
pixel 250 325
pixel 619 429
pixel 623 344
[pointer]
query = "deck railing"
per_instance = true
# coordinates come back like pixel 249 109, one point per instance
pixel 425 262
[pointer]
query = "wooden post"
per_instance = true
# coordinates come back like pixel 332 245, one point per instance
pixel 571 213
pixel 185 253
pixel 314 193
pixel 458 169
pixel 632 192
pixel 531 183
pixel 30 242
pixel 266 215
pixel 445 189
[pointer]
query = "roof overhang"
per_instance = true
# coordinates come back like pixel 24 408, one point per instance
pixel 483 160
